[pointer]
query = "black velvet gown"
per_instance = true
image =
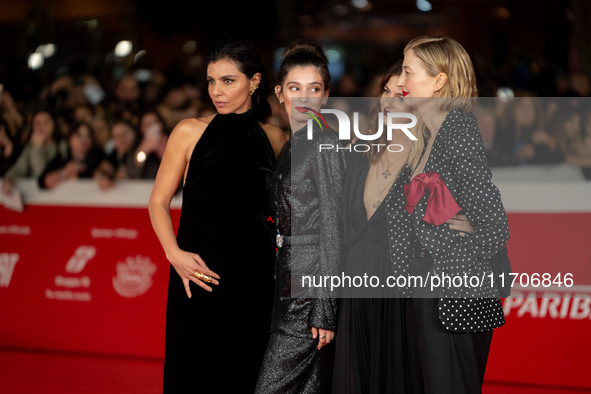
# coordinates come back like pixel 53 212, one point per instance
pixel 215 342
pixel 376 346
pixel 307 189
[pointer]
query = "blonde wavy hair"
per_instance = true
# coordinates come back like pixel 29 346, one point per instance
pixel 445 55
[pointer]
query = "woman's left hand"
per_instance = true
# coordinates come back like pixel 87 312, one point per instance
pixel 460 223
pixel 72 169
pixel 324 336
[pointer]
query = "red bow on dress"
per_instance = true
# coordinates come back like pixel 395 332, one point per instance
pixel 441 205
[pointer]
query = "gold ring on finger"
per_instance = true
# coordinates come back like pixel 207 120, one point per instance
pixel 203 277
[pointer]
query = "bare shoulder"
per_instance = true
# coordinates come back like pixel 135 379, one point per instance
pixel 190 130
pixel 192 126
pixel 277 137
pixel 186 134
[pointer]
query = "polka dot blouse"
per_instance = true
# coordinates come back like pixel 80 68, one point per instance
pixel 458 155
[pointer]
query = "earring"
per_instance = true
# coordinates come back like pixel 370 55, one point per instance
pixel 253 89
pixel 280 101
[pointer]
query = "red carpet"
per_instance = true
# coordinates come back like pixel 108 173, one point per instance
pixel 50 373
pixel 23 372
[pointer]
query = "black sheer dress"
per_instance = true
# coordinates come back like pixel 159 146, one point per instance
pixel 215 342
pixel 307 188
pixel 376 347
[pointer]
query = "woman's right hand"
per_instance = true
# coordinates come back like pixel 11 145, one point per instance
pixel 72 169
pixel 53 179
pixel 187 264
pixel 37 139
pixel 103 181
pixel 6 186
pixel 460 223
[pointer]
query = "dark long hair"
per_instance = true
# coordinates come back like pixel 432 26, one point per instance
pixel 374 154
pixel 76 126
pixel 56 136
pixel 303 53
pixel 154 110
pixel 244 54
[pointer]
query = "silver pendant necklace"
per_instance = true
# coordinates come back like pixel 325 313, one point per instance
pixel 385 174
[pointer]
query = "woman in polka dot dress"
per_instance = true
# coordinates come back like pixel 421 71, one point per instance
pixel 456 317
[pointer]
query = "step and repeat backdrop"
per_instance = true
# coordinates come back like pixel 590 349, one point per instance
pixel 82 271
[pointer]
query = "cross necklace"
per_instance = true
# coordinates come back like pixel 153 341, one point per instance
pixel 385 174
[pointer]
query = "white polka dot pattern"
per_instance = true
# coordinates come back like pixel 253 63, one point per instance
pixel 458 155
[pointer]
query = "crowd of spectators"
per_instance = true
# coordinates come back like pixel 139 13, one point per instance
pixel 537 130
pixel 78 127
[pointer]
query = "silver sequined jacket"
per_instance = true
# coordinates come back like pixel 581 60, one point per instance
pixel 307 190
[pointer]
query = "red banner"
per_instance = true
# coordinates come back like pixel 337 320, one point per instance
pixel 82 279
pixel 93 279
pixel 546 338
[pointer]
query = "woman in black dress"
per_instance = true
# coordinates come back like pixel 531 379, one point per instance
pixel 454 323
pixel 306 189
pixel 216 337
pixel 377 346
pixel 376 349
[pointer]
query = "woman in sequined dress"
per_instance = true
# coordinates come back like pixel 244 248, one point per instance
pixel 306 188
